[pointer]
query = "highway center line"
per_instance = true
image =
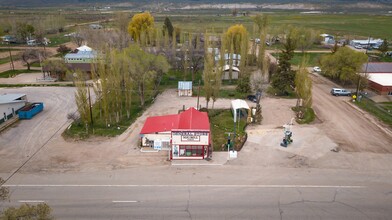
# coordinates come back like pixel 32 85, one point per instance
pixel 180 185
pixel 119 201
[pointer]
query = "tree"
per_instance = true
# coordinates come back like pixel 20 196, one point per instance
pixel 236 40
pixel 77 38
pixel 335 48
pixel 63 49
pixel 4 191
pixel 243 85
pixel 55 67
pixel 168 27
pixel 81 98
pixel 343 65
pixel 24 31
pixel 123 37
pixel 303 85
pixel 262 23
pixel 283 79
pixel 28 212
pixel 306 38
pixel 208 76
pixel 140 25
pixel 384 47
pixel 31 55
pixel 144 68
pixel 25 211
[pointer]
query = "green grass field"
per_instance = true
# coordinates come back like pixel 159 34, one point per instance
pixel 350 25
pixel 12 73
pixel 382 111
pixel 314 58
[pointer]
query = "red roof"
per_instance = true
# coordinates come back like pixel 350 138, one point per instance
pixel 190 119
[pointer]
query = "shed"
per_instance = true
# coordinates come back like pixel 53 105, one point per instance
pixel 184 88
pixel 10 104
pixel 226 72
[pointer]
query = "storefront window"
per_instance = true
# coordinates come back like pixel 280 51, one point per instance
pixel 191 151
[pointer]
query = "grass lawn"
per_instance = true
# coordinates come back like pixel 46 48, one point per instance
pixel 7 59
pixel 170 79
pixel 382 111
pixel 78 130
pixel 386 59
pixel 11 73
pixel 308 115
pixel 3 50
pixel 314 58
pixel 57 39
pixel 224 93
pixel 221 121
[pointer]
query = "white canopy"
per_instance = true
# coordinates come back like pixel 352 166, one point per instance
pixel 238 104
pixel 84 48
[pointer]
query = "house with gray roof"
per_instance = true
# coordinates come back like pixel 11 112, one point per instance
pixel 82 60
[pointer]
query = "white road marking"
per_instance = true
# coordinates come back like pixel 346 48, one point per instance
pixel 119 201
pixel 212 186
pixel 186 164
pixel 31 201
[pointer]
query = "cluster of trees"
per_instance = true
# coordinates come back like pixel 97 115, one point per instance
pixel 343 65
pixel 36 27
pixel 120 76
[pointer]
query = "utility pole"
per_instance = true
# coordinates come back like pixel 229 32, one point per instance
pixel 12 61
pixel 198 95
pixel 89 101
pixel 359 76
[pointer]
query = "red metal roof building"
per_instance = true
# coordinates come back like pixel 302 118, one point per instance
pixel 186 135
pixel 380 77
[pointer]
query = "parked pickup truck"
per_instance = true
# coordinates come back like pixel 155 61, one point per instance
pixel 340 92
pixel 30 110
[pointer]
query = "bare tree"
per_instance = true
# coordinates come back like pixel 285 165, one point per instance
pixel 32 55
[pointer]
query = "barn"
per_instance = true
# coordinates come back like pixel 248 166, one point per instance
pixel 380 77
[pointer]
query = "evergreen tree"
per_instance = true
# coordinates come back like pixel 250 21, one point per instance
pixel 168 27
pixel 283 79
pixel 384 47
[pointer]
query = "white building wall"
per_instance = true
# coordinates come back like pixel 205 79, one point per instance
pixel 6 108
pixel 164 136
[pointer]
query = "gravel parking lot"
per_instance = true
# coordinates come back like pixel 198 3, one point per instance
pixel 337 127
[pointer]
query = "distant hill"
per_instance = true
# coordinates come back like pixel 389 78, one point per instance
pixel 41 3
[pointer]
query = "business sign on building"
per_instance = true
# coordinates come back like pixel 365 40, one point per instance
pixel 191 137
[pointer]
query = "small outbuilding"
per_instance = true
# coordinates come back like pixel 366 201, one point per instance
pixel 185 88
pixel 10 104
pixel 186 135
pixel 226 72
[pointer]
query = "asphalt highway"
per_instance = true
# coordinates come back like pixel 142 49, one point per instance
pixel 215 193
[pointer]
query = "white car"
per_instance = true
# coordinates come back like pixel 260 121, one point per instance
pixel 358 47
pixel 316 69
